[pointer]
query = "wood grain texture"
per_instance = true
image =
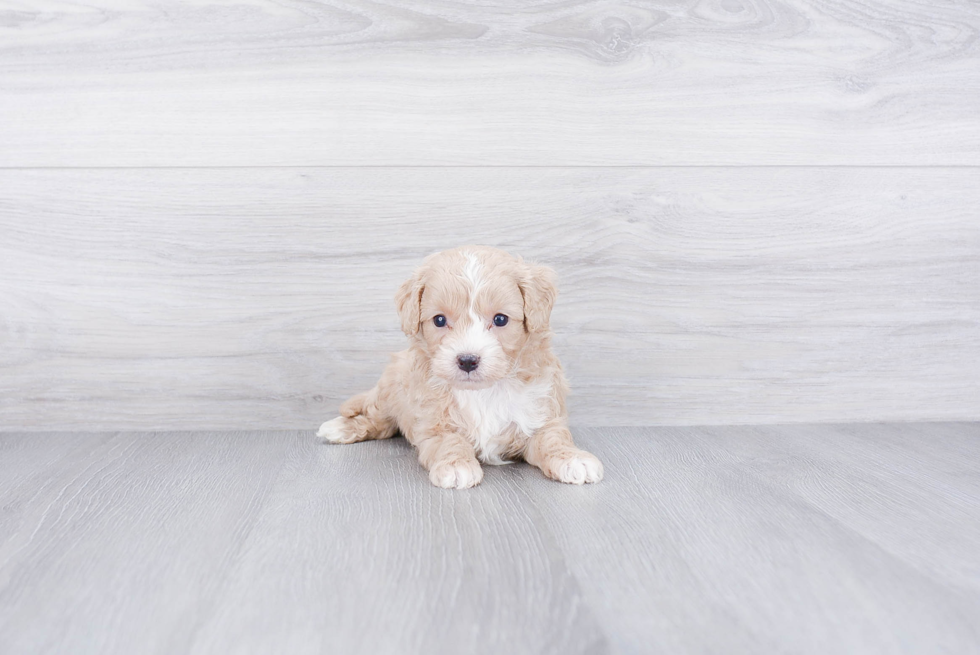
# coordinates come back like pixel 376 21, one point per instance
pixel 264 542
pixel 122 545
pixel 802 539
pixel 391 564
pixel 845 539
pixel 255 82
pixel 246 299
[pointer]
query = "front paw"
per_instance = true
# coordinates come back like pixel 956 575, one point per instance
pixel 336 431
pixel 579 468
pixel 457 474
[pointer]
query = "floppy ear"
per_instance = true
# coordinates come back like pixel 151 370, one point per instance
pixel 408 302
pixel 539 286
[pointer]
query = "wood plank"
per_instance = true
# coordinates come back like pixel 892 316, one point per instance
pixel 211 83
pixel 356 552
pixel 262 298
pixel 890 483
pixel 804 539
pixel 270 542
pixel 749 540
pixel 23 456
pixel 122 547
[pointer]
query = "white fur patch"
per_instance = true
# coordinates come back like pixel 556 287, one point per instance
pixel 488 412
pixel 473 272
pixel 333 431
pixel 477 337
pixel 581 469
pixel 456 475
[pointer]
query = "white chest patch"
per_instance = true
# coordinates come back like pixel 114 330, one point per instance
pixel 488 412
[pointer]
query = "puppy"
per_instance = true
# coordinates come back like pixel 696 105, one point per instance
pixel 479 381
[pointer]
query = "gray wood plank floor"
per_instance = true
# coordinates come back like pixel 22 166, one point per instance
pixel 805 539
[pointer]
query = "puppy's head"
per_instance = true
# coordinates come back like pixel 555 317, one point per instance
pixel 474 310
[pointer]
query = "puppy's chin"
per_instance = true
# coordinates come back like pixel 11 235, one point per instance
pixel 457 379
pixel 464 382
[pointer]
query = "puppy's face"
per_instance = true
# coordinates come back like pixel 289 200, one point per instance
pixel 473 310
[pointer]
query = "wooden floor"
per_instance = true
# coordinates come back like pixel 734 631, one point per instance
pixel 853 538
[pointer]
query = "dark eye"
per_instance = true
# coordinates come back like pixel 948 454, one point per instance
pixel 439 320
pixel 500 320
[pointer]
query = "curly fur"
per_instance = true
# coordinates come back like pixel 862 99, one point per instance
pixel 511 406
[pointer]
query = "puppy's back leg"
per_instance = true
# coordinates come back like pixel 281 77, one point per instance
pixel 361 418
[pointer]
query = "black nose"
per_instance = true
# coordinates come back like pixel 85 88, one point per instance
pixel 468 362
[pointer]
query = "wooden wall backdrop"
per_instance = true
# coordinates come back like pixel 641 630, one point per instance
pixel 761 210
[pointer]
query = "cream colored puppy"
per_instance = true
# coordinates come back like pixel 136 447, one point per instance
pixel 479 381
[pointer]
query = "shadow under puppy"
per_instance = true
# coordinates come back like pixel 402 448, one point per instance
pixel 479 381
